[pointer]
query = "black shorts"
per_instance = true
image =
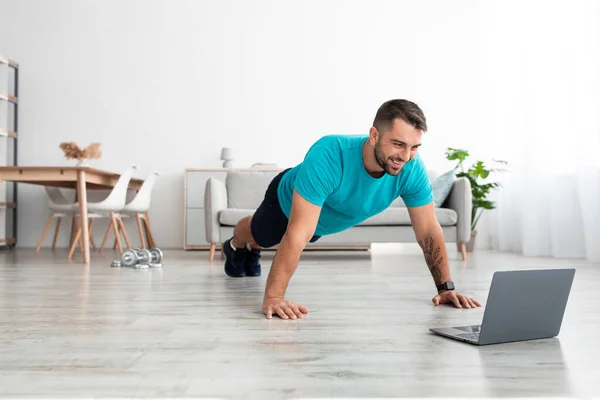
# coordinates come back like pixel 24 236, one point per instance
pixel 269 223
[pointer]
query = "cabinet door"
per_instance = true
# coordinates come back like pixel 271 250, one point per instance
pixel 195 233
pixel 196 185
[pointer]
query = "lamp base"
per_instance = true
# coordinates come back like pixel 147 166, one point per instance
pixel 228 164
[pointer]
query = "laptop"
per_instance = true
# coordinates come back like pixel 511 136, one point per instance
pixel 521 305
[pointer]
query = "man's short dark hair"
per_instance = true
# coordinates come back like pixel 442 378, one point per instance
pixel 406 110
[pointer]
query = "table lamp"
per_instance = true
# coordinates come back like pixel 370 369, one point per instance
pixel 227 157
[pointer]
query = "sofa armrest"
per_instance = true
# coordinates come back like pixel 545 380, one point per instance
pixel 215 200
pixel 460 200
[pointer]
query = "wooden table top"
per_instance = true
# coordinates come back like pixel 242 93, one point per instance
pixel 64 176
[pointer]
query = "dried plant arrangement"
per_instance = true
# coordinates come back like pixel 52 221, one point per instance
pixel 73 151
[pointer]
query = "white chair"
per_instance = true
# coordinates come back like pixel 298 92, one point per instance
pixel 56 201
pixel 139 207
pixel 108 207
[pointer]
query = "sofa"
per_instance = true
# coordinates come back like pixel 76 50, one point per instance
pixel 240 194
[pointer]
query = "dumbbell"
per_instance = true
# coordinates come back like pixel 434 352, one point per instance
pixel 155 253
pixel 133 257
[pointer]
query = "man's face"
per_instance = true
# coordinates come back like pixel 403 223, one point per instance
pixel 396 146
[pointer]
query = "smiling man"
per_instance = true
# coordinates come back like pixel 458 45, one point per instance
pixel 342 181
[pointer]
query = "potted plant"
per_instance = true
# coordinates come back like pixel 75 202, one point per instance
pixel 478 175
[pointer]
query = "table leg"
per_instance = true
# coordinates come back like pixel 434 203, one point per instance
pixel 83 215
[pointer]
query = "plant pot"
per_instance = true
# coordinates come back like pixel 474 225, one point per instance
pixel 471 244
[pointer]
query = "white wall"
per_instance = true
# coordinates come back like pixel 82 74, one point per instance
pixel 165 85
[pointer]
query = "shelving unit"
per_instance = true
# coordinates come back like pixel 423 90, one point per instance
pixel 9 105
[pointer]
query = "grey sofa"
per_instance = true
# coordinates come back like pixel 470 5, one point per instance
pixel 226 202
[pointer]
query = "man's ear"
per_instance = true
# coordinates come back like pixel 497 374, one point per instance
pixel 373 135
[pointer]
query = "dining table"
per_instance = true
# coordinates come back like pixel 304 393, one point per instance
pixel 80 178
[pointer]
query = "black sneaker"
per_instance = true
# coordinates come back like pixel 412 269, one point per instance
pixel 252 266
pixel 234 260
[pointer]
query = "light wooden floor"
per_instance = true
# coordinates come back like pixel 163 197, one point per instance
pixel 188 330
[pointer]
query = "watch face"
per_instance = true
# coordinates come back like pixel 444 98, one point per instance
pixel 450 285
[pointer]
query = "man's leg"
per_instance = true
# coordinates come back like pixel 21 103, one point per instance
pixel 245 252
pixel 263 229
pixel 242 234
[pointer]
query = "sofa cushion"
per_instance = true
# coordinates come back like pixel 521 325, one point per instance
pixel 442 186
pixel 433 177
pixel 231 216
pixel 400 216
pixel 246 189
pixel 390 216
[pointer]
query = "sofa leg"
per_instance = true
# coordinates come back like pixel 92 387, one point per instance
pixel 211 254
pixel 463 251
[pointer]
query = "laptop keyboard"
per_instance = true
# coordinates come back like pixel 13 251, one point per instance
pixel 470 336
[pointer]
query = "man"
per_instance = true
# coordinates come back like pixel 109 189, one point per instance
pixel 342 181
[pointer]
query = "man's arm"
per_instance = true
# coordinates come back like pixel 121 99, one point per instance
pixel 301 227
pixel 430 237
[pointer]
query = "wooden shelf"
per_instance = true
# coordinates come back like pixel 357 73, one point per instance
pixel 8 240
pixel 4 132
pixel 9 62
pixel 8 205
pixel 8 97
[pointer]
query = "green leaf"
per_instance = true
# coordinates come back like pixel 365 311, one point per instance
pixel 453 154
pixel 479 170
pixel 456 154
pixel 476 174
pixel 488 205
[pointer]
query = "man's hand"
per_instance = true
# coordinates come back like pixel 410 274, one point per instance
pixel 452 297
pixel 283 308
pixel 301 227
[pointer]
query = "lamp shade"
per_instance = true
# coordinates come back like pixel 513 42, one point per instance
pixel 226 153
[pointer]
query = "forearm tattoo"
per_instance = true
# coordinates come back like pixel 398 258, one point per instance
pixel 432 258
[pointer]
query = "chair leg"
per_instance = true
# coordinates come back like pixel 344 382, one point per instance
pixel 122 226
pixel 90 223
pixel 151 241
pixel 115 242
pixel 463 251
pixel 211 254
pixel 74 244
pixel 78 225
pixel 73 228
pixel 76 228
pixel 56 229
pixel 116 228
pixel 106 237
pixel 45 232
pixel 140 230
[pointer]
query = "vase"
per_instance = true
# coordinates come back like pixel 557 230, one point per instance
pixel 82 163
pixel 471 245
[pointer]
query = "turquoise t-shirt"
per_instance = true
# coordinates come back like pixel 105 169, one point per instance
pixel 332 175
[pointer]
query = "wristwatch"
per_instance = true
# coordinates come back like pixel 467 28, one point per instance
pixel 448 285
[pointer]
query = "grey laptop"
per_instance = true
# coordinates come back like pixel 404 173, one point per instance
pixel 521 305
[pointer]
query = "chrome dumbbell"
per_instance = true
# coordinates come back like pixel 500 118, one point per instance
pixel 157 255
pixel 135 257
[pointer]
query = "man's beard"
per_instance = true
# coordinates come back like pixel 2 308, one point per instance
pixel 384 162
